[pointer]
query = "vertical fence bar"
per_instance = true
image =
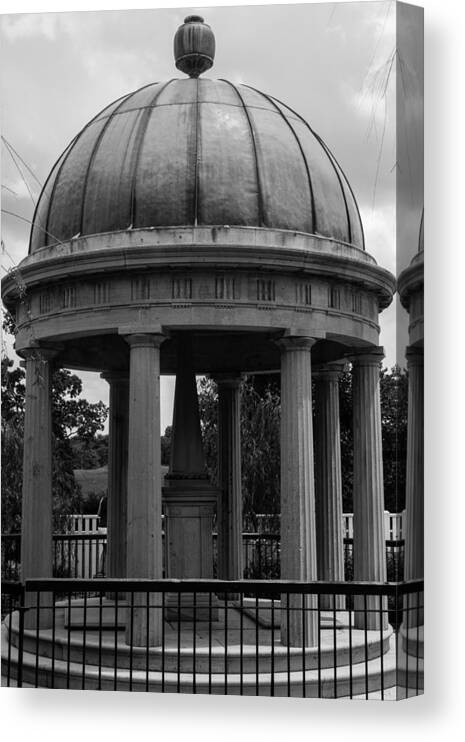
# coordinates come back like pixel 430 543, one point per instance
pixel 163 608
pixel 417 678
pixel 288 646
pixel 334 646
pixel 68 641
pixel 319 645
pixel 84 640
pixel 365 630
pixel 226 643
pixel 241 649
pixel 115 674
pixel 257 657
pixel 272 646
pixel 100 629
pixel 303 609
pixel 36 669
pixel 21 637
pixel 351 688
pixel 194 643
pixel 147 634
pixel 381 638
pixel 178 682
pixel 407 644
pixel 131 640
pixel 210 642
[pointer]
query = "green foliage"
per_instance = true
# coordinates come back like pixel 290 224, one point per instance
pixel 72 416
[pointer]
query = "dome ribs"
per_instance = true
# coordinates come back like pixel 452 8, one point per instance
pixel 310 187
pixel 142 128
pixel 63 155
pixel 97 145
pixel 261 211
pixel 335 165
pixel 196 152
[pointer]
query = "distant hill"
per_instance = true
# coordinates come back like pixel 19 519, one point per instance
pixel 92 480
pixel 95 481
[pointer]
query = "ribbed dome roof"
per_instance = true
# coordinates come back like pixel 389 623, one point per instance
pixel 196 152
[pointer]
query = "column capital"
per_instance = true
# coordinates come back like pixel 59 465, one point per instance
pixel 328 371
pixel 414 355
pixel 230 379
pixel 295 343
pixel 145 339
pixel 40 352
pixel 121 376
pixel 371 356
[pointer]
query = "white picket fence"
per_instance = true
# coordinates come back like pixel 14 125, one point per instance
pixel 88 551
pixel 394 524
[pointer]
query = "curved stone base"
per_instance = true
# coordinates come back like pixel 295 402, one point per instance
pixel 202 658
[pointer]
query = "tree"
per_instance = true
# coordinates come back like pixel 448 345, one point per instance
pixel 72 417
pixel 260 422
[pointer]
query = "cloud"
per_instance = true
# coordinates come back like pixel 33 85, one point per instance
pixel 27 26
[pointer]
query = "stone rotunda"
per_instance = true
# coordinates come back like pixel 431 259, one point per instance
pixel 196 226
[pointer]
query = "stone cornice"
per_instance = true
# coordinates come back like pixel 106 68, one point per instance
pixel 235 248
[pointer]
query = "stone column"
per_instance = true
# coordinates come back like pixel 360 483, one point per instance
pixel 414 485
pixel 298 533
pixel 115 562
pixel 144 523
pixel 368 493
pixel 36 525
pixel 328 481
pixel 229 518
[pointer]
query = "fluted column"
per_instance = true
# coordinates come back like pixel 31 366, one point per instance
pixel 298 534
pixel 414 486
pixel 328 480
pixel 117 473
pixel 144 524
pixel 36 524
pixel 368 493
pixel 229 519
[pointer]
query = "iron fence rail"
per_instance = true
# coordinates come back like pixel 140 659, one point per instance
pixel 82 634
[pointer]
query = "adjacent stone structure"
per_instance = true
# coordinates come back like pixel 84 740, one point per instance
pixel 411 291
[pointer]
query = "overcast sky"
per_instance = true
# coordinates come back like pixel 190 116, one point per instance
pixel 331 62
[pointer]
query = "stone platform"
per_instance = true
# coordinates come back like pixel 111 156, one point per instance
pixel 233 655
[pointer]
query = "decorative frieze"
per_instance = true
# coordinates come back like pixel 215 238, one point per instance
pixel 181 288
pixel 356 303
pixel 140 289
pixel 266 290
pixel 334 297
pixel 225 288
pixel 101 292
pixel 46 302
pixel 68 297
pixel 304 294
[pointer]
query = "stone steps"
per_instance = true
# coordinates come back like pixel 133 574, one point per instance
pixel 108 648
pixel 365 677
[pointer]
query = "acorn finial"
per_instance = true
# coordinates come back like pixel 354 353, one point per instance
pixel 194 46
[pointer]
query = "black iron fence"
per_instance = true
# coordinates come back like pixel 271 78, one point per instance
pixel 208 636
pixel 83 556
